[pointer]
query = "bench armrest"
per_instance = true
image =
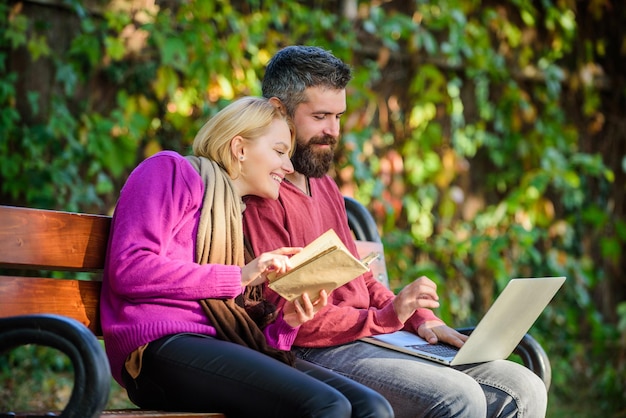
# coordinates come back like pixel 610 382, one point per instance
pixel 361 221
pixel 92 375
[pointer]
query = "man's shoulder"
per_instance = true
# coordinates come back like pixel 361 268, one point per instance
pixel 325 188
pixel 259 204
pixel 326 181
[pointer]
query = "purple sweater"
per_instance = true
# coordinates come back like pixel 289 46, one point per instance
pixel 152 284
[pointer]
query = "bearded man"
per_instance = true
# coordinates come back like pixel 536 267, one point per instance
pixel 311 84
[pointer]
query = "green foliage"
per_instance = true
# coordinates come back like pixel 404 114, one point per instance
pixel 48 371
pixel 38 378
pixel 460 135
pixel 537 210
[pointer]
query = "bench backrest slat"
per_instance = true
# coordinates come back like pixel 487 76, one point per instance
pixel 54 241
pixel 78 299
pixel 39 239
pixel 46 239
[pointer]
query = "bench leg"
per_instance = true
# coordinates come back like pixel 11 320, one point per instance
pixel 92 375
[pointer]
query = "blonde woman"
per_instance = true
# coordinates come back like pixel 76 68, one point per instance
pixel 174 334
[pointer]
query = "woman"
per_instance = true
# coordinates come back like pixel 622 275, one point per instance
pixel 174 336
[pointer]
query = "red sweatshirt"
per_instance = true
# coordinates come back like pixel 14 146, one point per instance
pixel 360 308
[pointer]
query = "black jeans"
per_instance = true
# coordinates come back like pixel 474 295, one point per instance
pixel 189 372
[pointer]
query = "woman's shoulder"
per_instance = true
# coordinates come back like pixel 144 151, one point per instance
pixel 165 160
pixel 167 166
pixel 165 155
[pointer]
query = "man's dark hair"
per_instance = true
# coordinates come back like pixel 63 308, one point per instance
pixel 295 68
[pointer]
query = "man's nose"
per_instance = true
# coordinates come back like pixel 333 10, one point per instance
pixel 332 127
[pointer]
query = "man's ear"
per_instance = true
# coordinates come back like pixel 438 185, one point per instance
pixel 237 147
pixel 276 102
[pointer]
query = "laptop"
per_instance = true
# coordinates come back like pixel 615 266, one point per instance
pixel 496 335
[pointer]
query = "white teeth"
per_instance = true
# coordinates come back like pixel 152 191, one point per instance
pixel 278 179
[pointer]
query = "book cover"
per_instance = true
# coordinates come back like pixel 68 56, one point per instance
pixel 323 264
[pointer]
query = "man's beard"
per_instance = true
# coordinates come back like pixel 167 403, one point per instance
pixel 314 162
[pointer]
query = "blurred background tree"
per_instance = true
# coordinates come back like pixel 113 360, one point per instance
pixel 487 138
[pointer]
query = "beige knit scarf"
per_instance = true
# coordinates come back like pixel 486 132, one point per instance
pixel 220 241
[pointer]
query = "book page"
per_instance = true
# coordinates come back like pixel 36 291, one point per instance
pixel 323 264
pixel 328 240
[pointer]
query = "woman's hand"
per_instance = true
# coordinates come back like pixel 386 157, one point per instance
pixel 301 310
pixel 255 272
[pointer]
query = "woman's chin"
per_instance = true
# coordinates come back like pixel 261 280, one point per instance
pixel 273 195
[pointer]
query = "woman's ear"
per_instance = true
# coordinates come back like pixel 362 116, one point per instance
pixel 237 147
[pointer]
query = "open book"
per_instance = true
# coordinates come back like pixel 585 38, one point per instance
pixel 323 264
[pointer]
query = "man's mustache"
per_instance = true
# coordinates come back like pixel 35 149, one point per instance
pixel 325 140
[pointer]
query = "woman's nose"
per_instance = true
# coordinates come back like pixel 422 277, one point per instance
pixel 287 166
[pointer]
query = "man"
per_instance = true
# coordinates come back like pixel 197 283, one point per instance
pixel 311 84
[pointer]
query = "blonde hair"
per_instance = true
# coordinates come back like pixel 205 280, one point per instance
pixel 248 117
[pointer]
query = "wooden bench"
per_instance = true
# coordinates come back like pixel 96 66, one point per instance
pixel 57 312
pixel 63 313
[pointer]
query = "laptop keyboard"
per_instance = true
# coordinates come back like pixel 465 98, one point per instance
pixel 437 349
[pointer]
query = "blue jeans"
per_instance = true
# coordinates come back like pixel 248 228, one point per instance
pixel 420 388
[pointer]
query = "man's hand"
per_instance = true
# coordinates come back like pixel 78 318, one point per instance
pixel 436 331
pixel 422 293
